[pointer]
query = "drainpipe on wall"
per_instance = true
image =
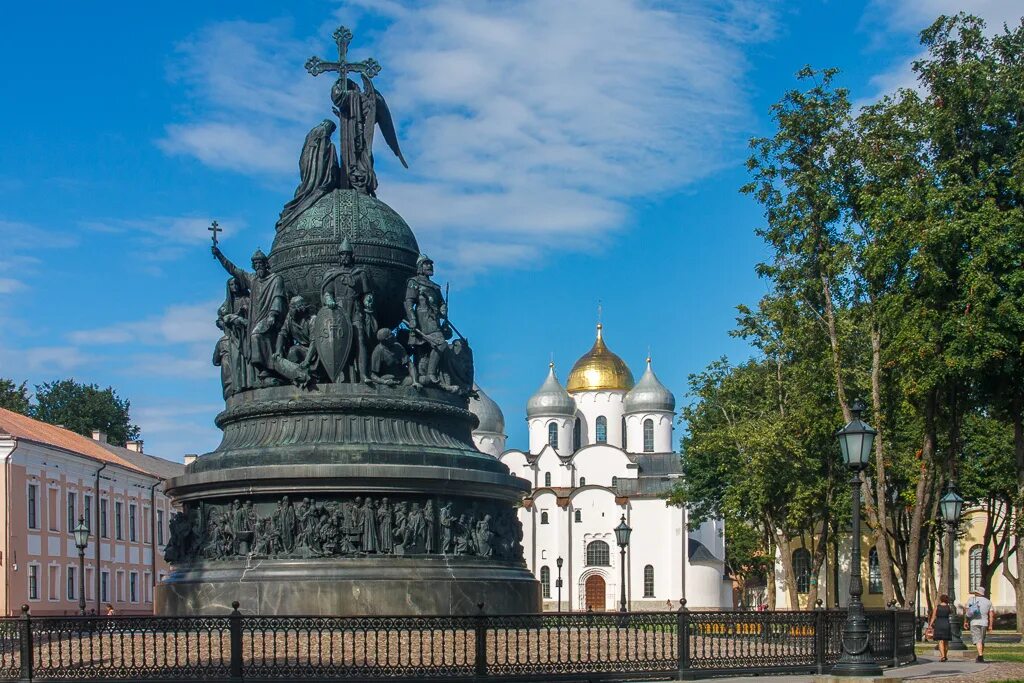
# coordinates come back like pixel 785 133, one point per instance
pixel 152 536
pixel 7 529
pixel 99 554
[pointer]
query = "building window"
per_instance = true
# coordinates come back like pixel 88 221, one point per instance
pixel 544 517
pixel 53 509
pixel 623 432
pixel 615 481
pixel 131 523
pixel 119 585
pixel 648 435
pixel 802 570
pixel 649 581
pixel 104 586
pixel 583 481
pixel 545 581
pixel 133 586
pixel 577 434
pixel 104 530
pixel 601 429
pixel 579 516
pixel 597 554
pixel 547 479
pixel 552 434
pixel 53 583
pixel 874 573
pixel 72 582
pixel 975 559
pixel 87 512
pixel 33 506
pixel 33 582
pixel 118 526
pixel 159 527
pixel 72 507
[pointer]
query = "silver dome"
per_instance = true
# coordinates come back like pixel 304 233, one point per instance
pixel 649 395
pixel 551 400
pixel 488 412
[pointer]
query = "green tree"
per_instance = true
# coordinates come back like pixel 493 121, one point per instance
pixel 85 407
pixel 14 396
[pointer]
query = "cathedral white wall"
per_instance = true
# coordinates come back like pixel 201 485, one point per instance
pixel 592 404
pixel 538 429
pixel 662 431
pixel 599 463
pixel 490 443
pixel 518 465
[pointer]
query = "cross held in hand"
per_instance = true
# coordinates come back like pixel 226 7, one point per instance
pixel 215 228
pixel 342 36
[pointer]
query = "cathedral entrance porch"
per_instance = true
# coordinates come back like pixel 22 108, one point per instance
pixel 594 593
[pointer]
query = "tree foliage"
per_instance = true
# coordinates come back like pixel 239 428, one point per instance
pixel 14 396
pixel 83 408
pixel 896 273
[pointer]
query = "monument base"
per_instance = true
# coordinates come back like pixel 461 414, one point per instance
pixel 417 585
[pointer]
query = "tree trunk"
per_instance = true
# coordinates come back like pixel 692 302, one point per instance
pixel 769 588
pixel 877 513
pixel 922 495
pixel 1018 517
pixel 817 561
pixel 833 338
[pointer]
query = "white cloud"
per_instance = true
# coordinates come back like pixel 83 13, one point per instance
pixel 525 124
pixel 178 324
pixel 50 358
pixel 8 285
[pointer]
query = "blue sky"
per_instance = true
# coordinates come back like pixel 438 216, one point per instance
pixel 562 153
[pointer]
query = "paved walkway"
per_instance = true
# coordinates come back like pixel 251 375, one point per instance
pixel 925 667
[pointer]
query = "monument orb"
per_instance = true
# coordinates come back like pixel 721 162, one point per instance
pixel 346 481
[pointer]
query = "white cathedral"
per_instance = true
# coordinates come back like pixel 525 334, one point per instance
pixel 600 449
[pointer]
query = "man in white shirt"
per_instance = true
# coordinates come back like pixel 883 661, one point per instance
pixel 979 617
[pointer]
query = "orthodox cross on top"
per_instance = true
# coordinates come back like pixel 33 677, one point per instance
pixel 215 228
pixel 342 36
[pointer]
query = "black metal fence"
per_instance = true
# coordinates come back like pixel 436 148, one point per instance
pixel 566 646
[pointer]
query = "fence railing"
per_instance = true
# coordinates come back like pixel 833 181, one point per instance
pixel 548 646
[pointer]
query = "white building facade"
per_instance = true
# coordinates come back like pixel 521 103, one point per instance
pixel 600 449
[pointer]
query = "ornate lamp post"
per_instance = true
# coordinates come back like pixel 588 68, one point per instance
pixel 855 441
pixel 950 506
pixel 558 582
pixel 622 532
pixel 81 533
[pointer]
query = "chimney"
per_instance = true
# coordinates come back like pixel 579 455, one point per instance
pixel 134 446
pixel 99 435
pixel 190 458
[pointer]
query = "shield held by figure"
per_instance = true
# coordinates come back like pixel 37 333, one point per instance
pixel 333 334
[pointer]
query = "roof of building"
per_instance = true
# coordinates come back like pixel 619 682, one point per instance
pixel 657 464
pixel 599 369
pixel 698 552
pixel 487 411
pixel 649 394
pixel 23 427
pixel 551 399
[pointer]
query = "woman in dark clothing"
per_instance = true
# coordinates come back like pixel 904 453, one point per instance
pixel 941 629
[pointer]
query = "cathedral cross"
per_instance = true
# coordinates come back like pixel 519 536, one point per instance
pixel 215 228
pixel 342 36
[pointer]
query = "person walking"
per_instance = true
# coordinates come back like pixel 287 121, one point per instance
pixel 979 617
pixel 942 630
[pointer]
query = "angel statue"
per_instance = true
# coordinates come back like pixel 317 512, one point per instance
pixel 359 112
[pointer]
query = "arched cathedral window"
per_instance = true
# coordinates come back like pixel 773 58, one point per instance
pixel 974 562
pixel 597 554
pixel 544 517
pixel 874 572
pixel 553 435
pixel 648 435
pixel 545 581
pixel 547 479
pixel 649 581
pixel 601 429
pixel 802 570
pixel 583 481
pixel 577 434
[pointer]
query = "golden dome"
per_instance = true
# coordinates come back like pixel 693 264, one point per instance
pixel 599 369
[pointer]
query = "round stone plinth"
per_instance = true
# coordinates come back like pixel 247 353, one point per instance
pixel 371 586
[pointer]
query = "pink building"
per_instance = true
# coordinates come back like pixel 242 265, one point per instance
pixel 49 479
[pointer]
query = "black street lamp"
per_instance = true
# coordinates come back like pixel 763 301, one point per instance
pixel 622 532
pixel 558 582
pixel 950 506
pixel 81 533
pixel 855 441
